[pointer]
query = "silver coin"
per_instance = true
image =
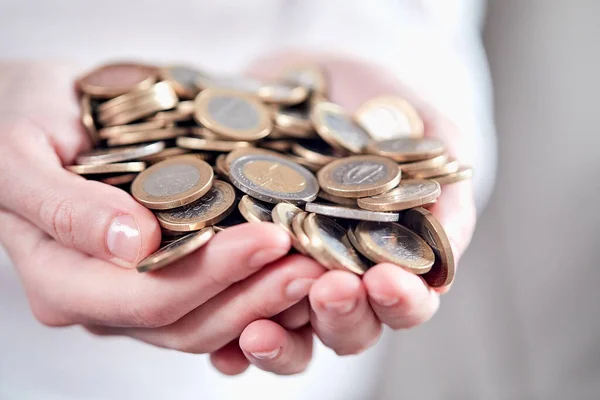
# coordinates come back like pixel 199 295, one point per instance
pixel 351 213
pixel 199 209
pixel 338 129
pixel 409 194
pixel 171 180
pixel 363 172
pixel 233 112
pixel 273 179
pixel 255 210
pixel 108 156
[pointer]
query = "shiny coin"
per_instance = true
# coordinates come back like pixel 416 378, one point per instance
pixel 282 215
pixel 316 152
pixel 310 76
pixel 424 224
pixel 195 143
pixel 220 167
pixel 283 93
pixel 281 146
pixel 406 149
pixel 240 84
pixel 330 246
pixel 273 179
pixel 463 173
pixel 117 168
pixel 115 79
pixel 163 155
pixel 354 241
pixel 137 98
pixel 119 179
pixel 183 112
pixel 172 183
pixel 393 243
pixel 112 131
pixel 298 231
pixel 359 176
pixel 425 164
pixel 107 156
pixel 336 128
pixel 176 250
pixel 237 153
pixel 390 117
pixel 341 201
pixel 294 121
pixel 255 210
pixel 350 213
pixel 183 79
pixel 146 136
pixel 204 133
pixel 88 120
pixel 304 162
pixel 208 210
pixel 409 194
pixel 449 168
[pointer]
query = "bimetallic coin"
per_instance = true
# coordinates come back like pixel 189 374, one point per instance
pixel 304 162
pixel 354 241
pixel 176 250
pixel 112 80
pixel 341 201
pixel 316 152
pixel 281 146
pixel 282 215
pixel 163 155
pixel 119 179
pixel 449 168
pixel 183 79
pixel 283 93
pixel 107 156
pixel 424 224
pixel 112 131
pixel 298 231
pixel 183 112
pixel 237 153
pixel 195 143
pixel 254 210
pixel 389 117
pixel 116 168
pixel 330 246
pixel 407 149
pixel 463 173
pixel 273 179
pixel 294 121
pixel 359 176
pixel 336 128
pixel 425 164
pixel 409 194
pixel 310 76
pixel 208 210
pixel 173 183
pixel 350 213
pixel 87 119
pixel 146 136
pixel 393 243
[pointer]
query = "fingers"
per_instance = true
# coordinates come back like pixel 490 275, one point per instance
pixel 294 317
pixel 272 348
pixel 230 360
pixel 341 314
pixel 399 298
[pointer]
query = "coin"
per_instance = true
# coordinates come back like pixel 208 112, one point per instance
pixel 354 241
pixel 112 131
pixel 204 133
pixel 237 153
pixel 163 155
pixel 330 246
pixel 425 164
pixel 183 112
pixel 424 224
pixel 282 215
pixel 117 168
pixel 336 128
pixel 310 76
pixel 220 167
pixel 282 93
pixel 359 176
pixel 389 117
pixel 294 121
pixel 449 168
pixel 254 210
pixel 208 210
pixel 233 115
pixel 350 212
pixel 342 201
pixel 176 250
pixel 112 80
pixel 273 179
pixel 281 146
pixel 146 136
pixel 463 173
pixel 298 231
pixel 409 194
pixel 239 84
pixel 107 156
pixel 407 149
pixel 88 120
pixel 173 183
pixel 119 179
pixel 304 162
pixel 183 79
pixel 127 101
pixel 195 143
pixel 316 152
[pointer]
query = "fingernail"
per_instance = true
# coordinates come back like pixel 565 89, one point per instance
pixel 124 239
pixel 264 355
pixel 340 307
pixel 298 288
pixel 384 300
pixel 266 256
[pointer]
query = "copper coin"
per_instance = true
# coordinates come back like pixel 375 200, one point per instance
pixel 282 215
pixel 407 149
pixel 173 183
pixel 409 194
pixel 112 80
pixel 183 79
pixel 355 213
pixel 117 168
pixel 194 143
pixel 107 156
pixel 449 168
pixel 336 128
pixel 146 136
pixel 390 117
pixel 424 164
pixel 255 210
pixel 113 131
pixel 463 173
pixel 88 120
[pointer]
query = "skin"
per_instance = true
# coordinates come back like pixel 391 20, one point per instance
pixel 244 304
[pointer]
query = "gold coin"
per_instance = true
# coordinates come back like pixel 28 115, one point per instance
pixel 463 173
pixel 176 250
pixel 336 128
pixel 407 149
pixel 163 155
pixel 315 152
pixel 208 210
pixel 342 201
pixel 117 168
pixel 183 79
pixel 88 120
pixel 146 136
pixel 233 115
pixel 393 243
pixel 425 164
pixel 254 210
pixel 409 194
pixel 282 215
pixel 298 231
pixel 119 179
pixel 173 183
pixel 112 131
pixel 112 80
pixel 359 176
pixel 107 156
pixel 330 246
pixel 194 143
pixel 424 224
pixel 282 93
pixel 449 168
pixel 311 76
pixel 390 117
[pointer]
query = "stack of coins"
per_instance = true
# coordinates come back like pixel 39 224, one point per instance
pixel 207 152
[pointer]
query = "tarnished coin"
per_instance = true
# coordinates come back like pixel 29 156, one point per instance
pixel 424 224
pixel 407 149
pixel 310 76
pixel 330 246
pixel 359 176
pixel 208 210
pixel 449 168
pixel 233 115
pixel 463 173
pixel 282 215
pixel 409 194
pixel 112 80
pixel 112 131
pixel 342 201
pixel 424 164
pixel 195 143
pixel 316 152
pixel 163 155
pixel 183 79
pixel 273 179
pixel 119 180
pixel 336 128
pixel 173 183
pixel 350 212
pixel 176 250
pixel 107 156
pixel 116 168
pixel 87 119
pixel 390 117
pixel 283 93
pixel 255 210
pixel 393 243
pixel 147 136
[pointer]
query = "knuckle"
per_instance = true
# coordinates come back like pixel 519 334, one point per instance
pixel 59 214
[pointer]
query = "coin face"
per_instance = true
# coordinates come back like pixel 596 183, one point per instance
pixel 424 224
pixel 463 173
pixel 112 80
pixel 173 183
pixel 273 179
pixel 176 250
pixel 407 149
pixel 116 168
pixel 255 210
pixel 393 243
pixel 350 212
pixel 336 128
pixel 107 156
pixel 390 117
pixel 409 194
pixel 183 79
pixel 359 176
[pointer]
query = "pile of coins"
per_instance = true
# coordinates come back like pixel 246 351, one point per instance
pixel 206 152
